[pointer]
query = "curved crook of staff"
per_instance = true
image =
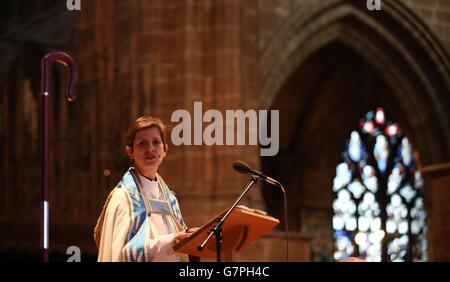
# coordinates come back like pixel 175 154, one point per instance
pixel 46 67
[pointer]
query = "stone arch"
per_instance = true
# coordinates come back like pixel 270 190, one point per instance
pixel 406 66
pixel 393 41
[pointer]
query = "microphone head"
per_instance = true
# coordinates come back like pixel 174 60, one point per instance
pixel 241 167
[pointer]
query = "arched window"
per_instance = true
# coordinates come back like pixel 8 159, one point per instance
pixel 378 206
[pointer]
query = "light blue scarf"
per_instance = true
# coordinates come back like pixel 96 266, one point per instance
pixel 136 239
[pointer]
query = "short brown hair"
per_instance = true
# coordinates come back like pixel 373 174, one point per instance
pixel 144 122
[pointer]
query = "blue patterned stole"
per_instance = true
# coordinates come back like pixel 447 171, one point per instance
pixel 139 214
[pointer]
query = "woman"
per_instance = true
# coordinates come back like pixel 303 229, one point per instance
pixel 141 219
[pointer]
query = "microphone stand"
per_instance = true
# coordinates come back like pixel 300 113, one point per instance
pixel 217 230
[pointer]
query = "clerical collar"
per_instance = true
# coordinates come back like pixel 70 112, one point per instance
pixel 148 179
pixel 143 176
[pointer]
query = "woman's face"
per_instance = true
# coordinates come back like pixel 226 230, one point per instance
pixel 148 150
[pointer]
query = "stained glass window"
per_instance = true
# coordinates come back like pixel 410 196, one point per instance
pixel 379 212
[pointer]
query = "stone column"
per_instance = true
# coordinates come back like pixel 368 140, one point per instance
pixel 437 199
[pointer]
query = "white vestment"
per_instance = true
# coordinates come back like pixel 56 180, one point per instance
pixel 139 222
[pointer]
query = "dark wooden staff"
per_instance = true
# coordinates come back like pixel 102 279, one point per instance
pixel 46 64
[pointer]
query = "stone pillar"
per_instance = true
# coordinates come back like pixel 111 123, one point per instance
pixel 155 57
pixel 437 199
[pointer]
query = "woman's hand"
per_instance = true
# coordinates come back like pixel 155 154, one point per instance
pixel 184 234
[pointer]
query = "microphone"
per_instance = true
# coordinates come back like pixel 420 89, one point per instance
pixel 242 167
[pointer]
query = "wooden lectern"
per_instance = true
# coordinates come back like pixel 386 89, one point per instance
pixel 243 226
